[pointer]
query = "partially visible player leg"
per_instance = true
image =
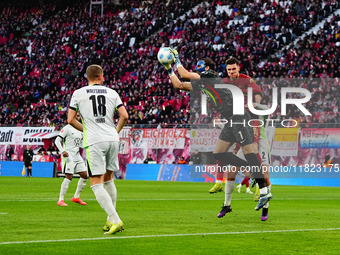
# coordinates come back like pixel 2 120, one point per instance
pixel 112 164
pixel 229 188
pixel 265 209
pixel 251 157
pixel 112 190
pixel 105 201
pixel 97 156
pixel 63 189
pixel 221 146
pixel 81 185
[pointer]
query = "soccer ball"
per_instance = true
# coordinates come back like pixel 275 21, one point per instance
pixel 165 56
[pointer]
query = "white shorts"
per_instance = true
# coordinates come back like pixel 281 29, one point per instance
pixel 73 166
pixel 101 157
pixel 263 151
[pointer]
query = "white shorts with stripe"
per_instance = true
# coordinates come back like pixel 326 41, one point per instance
pixel 101 157
pixel 73 166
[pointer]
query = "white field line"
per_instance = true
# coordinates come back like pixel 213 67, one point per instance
pixel 3 213
pixel 172 235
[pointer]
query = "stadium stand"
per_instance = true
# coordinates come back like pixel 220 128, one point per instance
pixel 44 53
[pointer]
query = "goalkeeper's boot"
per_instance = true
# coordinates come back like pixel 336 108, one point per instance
pixel 264 198
pixel 264 215
pixel 78 201
pixel 114 228
pixel 62 203
pixel 225 209
pixel 216 188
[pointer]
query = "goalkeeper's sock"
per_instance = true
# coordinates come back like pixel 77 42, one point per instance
pixel 111 189
pixel 105 202
pixel 81 185
pixel 64 188
pixel 229 188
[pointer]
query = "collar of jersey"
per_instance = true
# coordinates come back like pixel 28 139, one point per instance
pixel 95 84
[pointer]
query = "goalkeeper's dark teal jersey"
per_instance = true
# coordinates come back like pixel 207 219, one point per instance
pixel 220 99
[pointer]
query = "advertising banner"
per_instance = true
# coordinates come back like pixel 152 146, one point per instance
pixel 204 140
pixel 322 138
pixel 24 135
pixel 285 142
pixel 165 138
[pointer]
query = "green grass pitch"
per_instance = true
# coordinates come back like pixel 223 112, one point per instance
pixel 166 218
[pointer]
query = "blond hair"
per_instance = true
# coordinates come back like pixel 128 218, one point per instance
pixel 93 72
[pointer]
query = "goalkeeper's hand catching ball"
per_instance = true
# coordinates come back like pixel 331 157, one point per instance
pixel 176 56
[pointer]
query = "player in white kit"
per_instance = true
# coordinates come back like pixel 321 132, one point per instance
pixel 69 142
pixel 97 105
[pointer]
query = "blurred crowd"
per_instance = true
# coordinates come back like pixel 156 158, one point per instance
pixel 44 52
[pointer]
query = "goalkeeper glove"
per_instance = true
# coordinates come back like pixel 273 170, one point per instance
pixel 168 68
pixel 176 55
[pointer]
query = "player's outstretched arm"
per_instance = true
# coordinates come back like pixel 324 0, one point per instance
pixel 184 73
pixel 175 81
pixel 123 117
pixel 71 119
pixel 178 84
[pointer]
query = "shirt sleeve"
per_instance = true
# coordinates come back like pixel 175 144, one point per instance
pixel 74 102
pixel 118 101
pixel 256 88
pixel 63 132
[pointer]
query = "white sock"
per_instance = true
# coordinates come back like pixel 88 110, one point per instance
pixel 267 204
pixel 248 189
pixel 239 186
pixel 64 188
pixel 219 181
pixel 111 189
pixel 105 202
pixel 229 188
pixel 269 188
pixel 81 185
pixel 263 191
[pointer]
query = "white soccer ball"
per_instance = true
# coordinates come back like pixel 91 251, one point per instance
pixel 165 56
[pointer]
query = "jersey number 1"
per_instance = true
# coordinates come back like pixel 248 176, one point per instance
pixel 101 108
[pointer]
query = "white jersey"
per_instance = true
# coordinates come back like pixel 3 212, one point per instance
pixel 97 105
pixel 73 140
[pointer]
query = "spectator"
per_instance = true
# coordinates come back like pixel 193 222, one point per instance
pixel 148 159
pixel 42 151
pixel 196 157
pixel 181 161
pixel 9 153
pixel 327 162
